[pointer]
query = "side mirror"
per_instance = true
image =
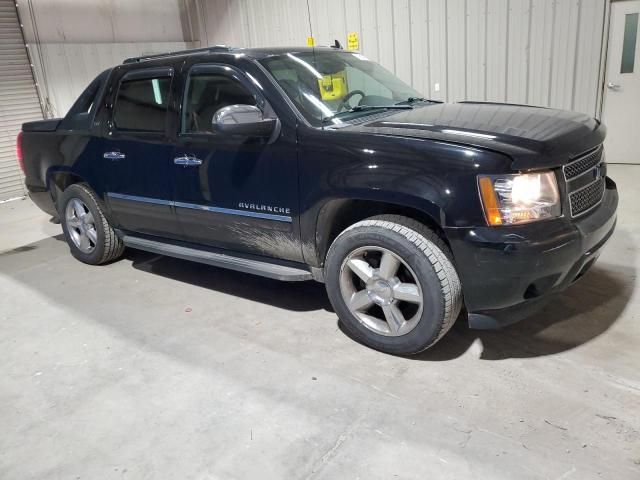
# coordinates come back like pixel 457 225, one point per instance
pixel 245 120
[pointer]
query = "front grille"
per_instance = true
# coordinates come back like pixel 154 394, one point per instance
pixel 583 163
pixel 585 176
pixel 584 199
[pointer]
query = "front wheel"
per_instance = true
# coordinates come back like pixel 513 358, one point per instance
pixel 393 284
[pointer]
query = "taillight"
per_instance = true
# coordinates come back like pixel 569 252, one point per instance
pixel 19 151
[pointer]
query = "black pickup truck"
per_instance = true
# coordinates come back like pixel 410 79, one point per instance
pixel 304 163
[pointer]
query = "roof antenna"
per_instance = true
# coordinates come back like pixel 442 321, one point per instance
pixel 309 17
pixel 336 44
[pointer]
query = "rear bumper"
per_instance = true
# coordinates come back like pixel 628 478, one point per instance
pixel 507 272
pixel 42 198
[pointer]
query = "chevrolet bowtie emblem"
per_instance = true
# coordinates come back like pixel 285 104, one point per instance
pixel 597 172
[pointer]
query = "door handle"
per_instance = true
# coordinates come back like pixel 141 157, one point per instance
pixel 114 155
pixel 613 86
pixel 187 161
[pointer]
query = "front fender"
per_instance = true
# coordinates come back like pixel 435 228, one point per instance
pixel 436 179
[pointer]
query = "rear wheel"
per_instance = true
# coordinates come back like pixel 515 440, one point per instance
pixel 392 284
pixel 87 231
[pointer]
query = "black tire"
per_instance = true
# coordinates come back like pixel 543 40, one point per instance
pixel 426 254
pixel 108 246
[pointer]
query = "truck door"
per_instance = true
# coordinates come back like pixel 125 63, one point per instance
pixel 234 192
pixel 137 152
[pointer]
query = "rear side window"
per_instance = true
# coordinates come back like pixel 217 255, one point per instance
pixel 141 104
pixel 208 93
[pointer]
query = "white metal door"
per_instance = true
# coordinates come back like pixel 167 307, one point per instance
pixel 622 92
pixel 18 98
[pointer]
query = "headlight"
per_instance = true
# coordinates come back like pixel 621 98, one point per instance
pixel 519 198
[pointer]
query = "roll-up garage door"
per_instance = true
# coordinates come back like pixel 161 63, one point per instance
pixel 18 98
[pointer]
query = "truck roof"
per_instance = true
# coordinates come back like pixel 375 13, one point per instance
pixel 256 53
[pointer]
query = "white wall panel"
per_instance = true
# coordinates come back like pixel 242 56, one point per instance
pixel 402 39
pixel 542 52
pixel 71 66
pixel 104 21
pixel 541 47
pixel 496 50
pixel 385 33
pixel 456 44
pixel 352 16
pixel 438 52
pixel 517 40
pixel 588 46
pixel 328 20
pixel 369 30
pixel 476 49
pixel 71 41
pixel 565 28
pixel 419 45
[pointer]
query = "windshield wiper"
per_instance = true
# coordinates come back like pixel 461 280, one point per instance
pixel 362 108
pixel 412 100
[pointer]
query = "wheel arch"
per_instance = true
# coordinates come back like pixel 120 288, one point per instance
pixel 58 180
pixel 337 214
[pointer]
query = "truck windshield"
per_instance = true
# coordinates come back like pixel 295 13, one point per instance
pixel 332 87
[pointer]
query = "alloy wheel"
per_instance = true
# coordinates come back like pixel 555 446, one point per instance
pixel 81 225
pixel 381 291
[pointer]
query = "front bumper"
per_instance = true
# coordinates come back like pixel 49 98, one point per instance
pixel 508 271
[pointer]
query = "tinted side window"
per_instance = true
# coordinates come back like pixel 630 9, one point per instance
pixel 208 93
pixel 142 104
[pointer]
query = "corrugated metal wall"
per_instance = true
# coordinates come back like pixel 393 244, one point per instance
pixel 71 66
pixel 71 41
pixel 540 52
pixel 18 99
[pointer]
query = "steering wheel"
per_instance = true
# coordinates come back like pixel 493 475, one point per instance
pixel 345 101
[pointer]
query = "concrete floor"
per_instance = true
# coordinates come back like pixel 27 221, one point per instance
pixel 159 368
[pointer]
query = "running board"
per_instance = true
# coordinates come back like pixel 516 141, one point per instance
pixel 223 260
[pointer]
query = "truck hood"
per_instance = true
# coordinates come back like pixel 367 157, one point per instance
pixel 533 137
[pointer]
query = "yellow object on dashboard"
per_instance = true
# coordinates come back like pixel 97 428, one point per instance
pixel 333 86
